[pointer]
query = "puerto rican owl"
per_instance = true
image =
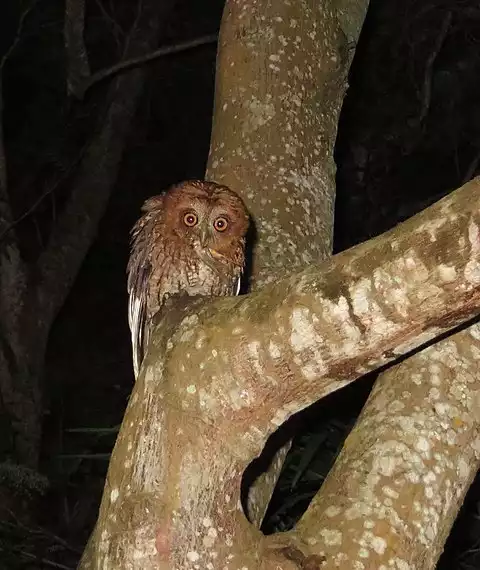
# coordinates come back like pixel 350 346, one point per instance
pixel 190 240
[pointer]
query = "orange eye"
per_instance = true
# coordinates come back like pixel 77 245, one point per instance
pixel 220 224
pixel 190 219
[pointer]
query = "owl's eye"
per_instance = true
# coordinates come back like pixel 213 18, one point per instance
pixel 190 219
pixel 220 224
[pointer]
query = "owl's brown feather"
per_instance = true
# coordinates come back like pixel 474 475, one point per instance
pixel 169 257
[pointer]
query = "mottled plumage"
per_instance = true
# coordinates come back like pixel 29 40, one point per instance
pixel 189 240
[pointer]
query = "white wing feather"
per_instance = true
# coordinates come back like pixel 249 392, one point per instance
pixel 236 286
pixel 136 319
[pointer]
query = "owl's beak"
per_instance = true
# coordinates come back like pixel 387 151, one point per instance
pixel 205 241
pixel 215 254
pixel 204 235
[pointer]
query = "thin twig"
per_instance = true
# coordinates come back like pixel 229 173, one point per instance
pixel 13 45
pixel 136 61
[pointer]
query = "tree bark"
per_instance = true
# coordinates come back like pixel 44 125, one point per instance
pixel 220 377
pixel 401 477
pixel 280 82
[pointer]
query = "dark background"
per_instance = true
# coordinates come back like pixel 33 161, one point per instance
pixel 409 134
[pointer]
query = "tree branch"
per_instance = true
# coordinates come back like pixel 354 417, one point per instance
pixel 127 64
pixel 78 68
pixel 272 140
pixel 408 462
pixel 220 376
pixel 77 225
pixel 5 211
pixel 317 330
pixel 13 272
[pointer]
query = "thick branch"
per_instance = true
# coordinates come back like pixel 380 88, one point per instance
pixel 221 376
pixel 404 470
pixel 312 333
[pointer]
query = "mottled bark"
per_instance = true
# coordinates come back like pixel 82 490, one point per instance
pixel 281 78
pixel 400 480
pixel 220 377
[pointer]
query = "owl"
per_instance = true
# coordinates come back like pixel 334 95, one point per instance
pixel 190 240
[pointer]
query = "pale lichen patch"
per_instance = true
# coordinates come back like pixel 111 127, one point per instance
pixel 446 273
pixel 304 339
pixel 389 492
pixel 332 511
pixel 193 556
pixel 377 543
pixel 331 537
pixel 472 272
pixel 399 564
pixel 423 445
pixel 114 494
pixel 274 350
pixel 474 237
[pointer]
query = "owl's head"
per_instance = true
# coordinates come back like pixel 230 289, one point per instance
pixel 208 217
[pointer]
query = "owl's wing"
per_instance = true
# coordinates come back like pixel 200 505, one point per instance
pixel 236 286
pixel 139 271
pixel 137 313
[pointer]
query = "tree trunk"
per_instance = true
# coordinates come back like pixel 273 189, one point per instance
pixel 279 68
pixel 221 376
